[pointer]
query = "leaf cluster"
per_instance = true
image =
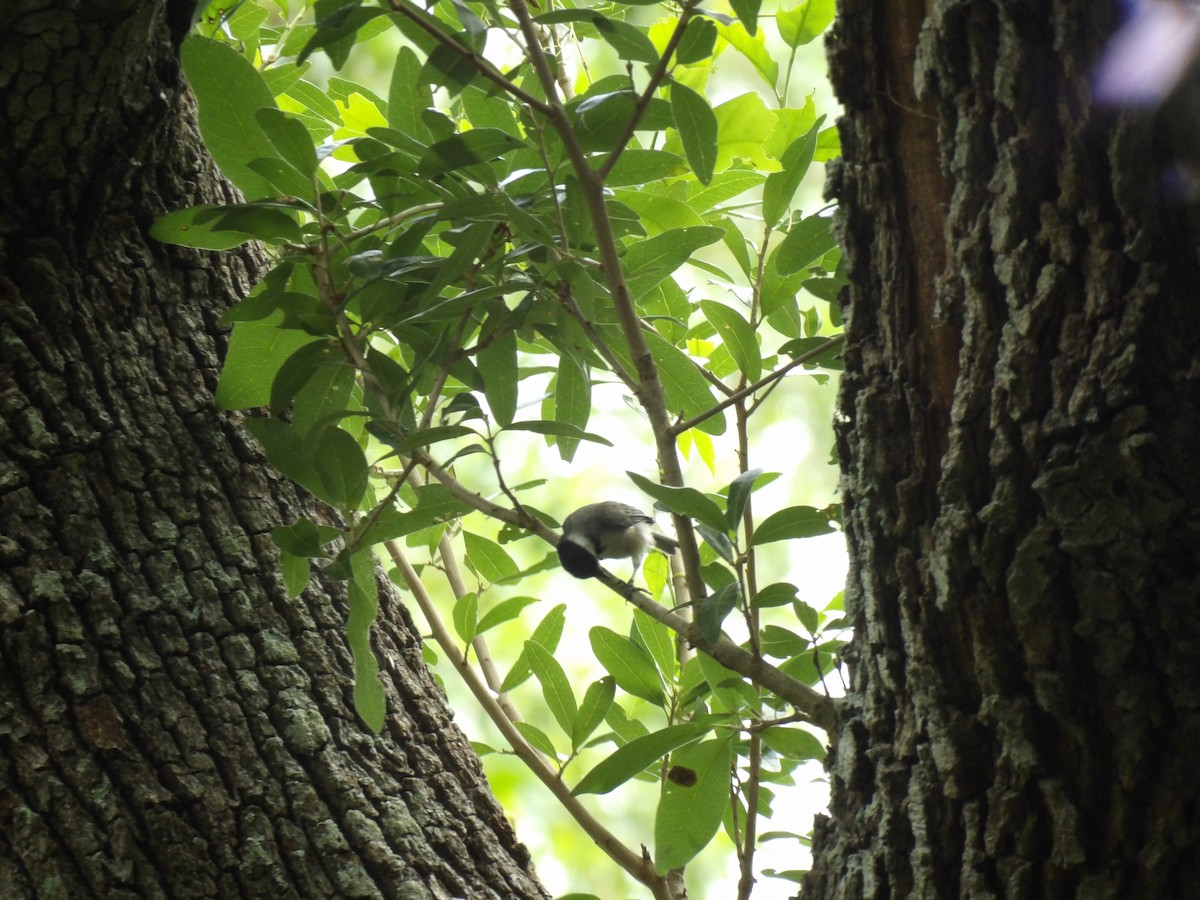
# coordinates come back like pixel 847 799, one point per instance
pixel 497 219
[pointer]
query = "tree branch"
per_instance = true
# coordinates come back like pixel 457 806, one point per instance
pixel 632 862
pixel 681 427
pixel 431 27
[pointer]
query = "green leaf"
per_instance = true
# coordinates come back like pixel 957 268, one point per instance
pixel 572 402
pixel 498 367
pixel 648 262
pixel 805 22
pixel 659 642
pixel 778 594
pixel 547 633
pixel 472 243
pixel 738 495
pixel 636 166
pixel 466 616
pixel 305 539
pixel 744 125
pixel 337 23
pixel 290 138
pixel 688 392
pixel 794 743
pixel 316 101
pixel 295 372
pixel 629 42
pixel 685 501
pixel 793 522
pixel 690 811
pixel 479 145
pixel 627 663
pixel 596 702
pixel 408 97
pixel 296 571
pixel 712 610
pixel 559 429
pixel 537 738
pixel 341 466
pixel 556 687
pixel 287 452
pixel 753 46
pixel 324 397
pixel 370 702
pixel 229 91
pixel 488 559
pixel 448 68
pixel 781 186
pixel 697 42
pixel 504 611
pixel 265 222
pixel 736 335
pixel 435 504
pixel 783 643
pixel 697 127
pixel 807 616
pixel 747 13
pixel 724 187
pixel 805 243
pixel 718 540
pixel 182 227
pixel 730 692
pixel 631 759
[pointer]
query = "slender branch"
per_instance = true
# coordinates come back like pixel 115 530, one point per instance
pixel 477 501
pixel 632 862
pixel 571 306
pixel 650 391
pixel 817 708
pixel 754 766
pixel 657 77
pixel 733 398
pixel 431 27
pixel 391 221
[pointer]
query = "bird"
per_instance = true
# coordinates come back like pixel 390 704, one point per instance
pixel 608 530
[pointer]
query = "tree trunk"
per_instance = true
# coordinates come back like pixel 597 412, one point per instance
pixel 1019 430
pixel 171 724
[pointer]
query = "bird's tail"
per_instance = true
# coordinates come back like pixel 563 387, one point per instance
pixel 665 544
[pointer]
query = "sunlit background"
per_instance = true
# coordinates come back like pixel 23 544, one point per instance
pixel 791 436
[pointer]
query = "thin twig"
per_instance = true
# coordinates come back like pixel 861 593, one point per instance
pixel 758 385
pixel 430 26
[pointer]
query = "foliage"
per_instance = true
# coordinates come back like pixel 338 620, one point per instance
pixel 503 215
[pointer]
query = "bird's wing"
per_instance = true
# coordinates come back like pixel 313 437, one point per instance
pixel 622 515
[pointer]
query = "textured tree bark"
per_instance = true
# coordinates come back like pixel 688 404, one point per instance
pixel 1020 415
pixel 171 724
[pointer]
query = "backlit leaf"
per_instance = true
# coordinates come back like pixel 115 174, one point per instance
pixel 697 126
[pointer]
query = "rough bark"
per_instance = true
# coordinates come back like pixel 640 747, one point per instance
pixel 171 724
pixel 1019 423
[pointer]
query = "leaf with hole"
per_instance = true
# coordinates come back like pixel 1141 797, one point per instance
pixel 689 812
pixel 631 759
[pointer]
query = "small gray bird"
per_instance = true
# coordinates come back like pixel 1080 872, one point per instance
pixel 608 530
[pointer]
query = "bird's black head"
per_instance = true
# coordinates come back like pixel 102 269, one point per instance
pixel 577 560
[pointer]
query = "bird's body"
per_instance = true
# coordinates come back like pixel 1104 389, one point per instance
pixel 608 530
